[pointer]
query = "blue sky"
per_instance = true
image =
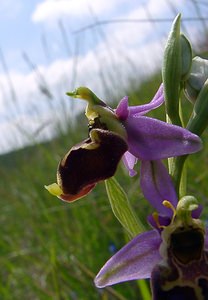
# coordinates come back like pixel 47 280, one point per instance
pixel 101 57
pixel 17 32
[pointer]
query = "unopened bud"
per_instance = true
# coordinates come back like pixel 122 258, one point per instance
pixel 199 120
pixel 198 76
pixel 186 56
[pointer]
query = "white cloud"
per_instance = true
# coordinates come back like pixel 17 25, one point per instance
pixel 52 10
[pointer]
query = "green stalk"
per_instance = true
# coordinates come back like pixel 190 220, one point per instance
pixel 144 289
pixel 178 175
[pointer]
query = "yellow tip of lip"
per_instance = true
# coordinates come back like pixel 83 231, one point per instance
pixel 54 189
pixel 81 92
pixel 71 94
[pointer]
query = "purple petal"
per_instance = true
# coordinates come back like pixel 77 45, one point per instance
pixel 129 161
pixel 156 102
pixel 163 221
pixel 134 261
pixel 157 186
pixel 151 139
pixel 122 110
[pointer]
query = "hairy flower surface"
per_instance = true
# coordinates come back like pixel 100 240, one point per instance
pixel 174 254
pixel 113 134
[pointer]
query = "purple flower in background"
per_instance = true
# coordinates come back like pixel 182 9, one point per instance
pixel 113 134
pixel 174 254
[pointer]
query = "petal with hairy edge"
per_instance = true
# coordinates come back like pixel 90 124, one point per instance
pixel 129 161
pixel 156 102
pixel 157 186
pixel 134 261
pixel 151 139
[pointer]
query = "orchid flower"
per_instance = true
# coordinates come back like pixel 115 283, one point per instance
pixel 174 254
pixel 113 134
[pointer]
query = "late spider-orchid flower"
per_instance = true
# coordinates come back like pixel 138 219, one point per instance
pixel 174 254
pixel 123 132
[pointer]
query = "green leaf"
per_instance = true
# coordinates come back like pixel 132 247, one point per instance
pixel 122 208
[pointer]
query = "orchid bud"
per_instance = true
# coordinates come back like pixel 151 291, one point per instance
pixel 186 56
pixel 199 120
pixel 198 76
pixel 171 72
pixel 176 67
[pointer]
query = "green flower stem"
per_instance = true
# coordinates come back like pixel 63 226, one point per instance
pixel 183 182
pixel 144 289
pixel 179 175
pixel 176 165
pixel 197 124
